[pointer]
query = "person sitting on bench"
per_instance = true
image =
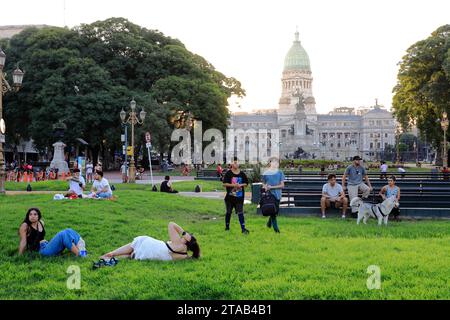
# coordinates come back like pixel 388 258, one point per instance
pixel 166 186
pixel 333 193
pixel 390 190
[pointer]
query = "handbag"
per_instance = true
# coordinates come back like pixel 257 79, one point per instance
pixel 267 204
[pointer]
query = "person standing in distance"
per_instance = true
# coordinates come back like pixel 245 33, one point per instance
pixel 355 174
pixel 235 182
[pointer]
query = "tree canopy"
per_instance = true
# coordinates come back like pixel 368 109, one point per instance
pixel 86 75
pixel 422 93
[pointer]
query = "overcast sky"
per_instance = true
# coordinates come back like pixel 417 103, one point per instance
pixel 353 45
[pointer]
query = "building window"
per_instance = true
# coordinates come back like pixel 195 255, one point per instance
pixel 378 145
pixel 385 135
pixel 371 123
pixel 283 133
pixel 371 135
pixel 378 122
pixel 371 145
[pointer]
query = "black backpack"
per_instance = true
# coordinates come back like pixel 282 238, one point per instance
pixel 267 204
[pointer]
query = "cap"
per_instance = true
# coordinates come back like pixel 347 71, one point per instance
pixel 356 158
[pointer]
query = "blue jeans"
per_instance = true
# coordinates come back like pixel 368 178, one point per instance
pixel 104 195
pixel 63 240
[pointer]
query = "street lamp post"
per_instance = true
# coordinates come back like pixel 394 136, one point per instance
pixel 397 134
pixel 4 88
pixel 444 126
pixel 133 120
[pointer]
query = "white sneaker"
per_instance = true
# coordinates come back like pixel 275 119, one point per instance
pixel 323 216
pixel 343 216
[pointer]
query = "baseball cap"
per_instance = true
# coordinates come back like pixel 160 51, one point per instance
pixel 356 158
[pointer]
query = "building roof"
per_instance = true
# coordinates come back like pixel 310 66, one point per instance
pixel 297 58
pixel 336 117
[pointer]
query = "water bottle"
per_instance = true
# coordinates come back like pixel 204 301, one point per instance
pixel 82 248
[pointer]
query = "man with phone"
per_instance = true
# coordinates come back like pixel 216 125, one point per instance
pixel 333 194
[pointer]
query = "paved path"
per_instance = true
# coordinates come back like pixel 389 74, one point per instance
pixel 116 177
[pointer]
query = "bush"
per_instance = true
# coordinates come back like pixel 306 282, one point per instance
pixel 317 163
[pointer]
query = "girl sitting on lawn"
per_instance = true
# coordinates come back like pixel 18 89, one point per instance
pixel 148 248
pixel 32 234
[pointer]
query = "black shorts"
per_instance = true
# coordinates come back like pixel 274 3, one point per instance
pixel 236 204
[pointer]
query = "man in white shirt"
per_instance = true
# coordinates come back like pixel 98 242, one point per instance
pixel 402 171
pixel 77 184
pixel 100 187
pixel 333 193
pixel 383 170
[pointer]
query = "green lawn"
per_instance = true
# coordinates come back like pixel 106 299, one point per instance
pixel 311 258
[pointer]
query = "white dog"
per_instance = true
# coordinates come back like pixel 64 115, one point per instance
pixel 379 211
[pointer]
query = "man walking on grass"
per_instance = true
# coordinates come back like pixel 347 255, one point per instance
pixel 355 174
pixel 235 181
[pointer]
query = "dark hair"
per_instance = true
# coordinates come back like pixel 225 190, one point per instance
pixel 193 246
pixel 76 170
pixel 99 172
pixel 331 176
pixel 235 158
pixel 392 178
pixel 166 178
pixel 27 217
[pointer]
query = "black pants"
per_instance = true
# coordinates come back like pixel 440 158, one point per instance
pixel 238 206
pixel 395 212
pixel 272 222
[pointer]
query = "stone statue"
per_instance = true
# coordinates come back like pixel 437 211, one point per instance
pixel 58 158
pixel 300 105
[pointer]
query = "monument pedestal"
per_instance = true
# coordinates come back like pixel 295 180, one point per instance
pixel 58 158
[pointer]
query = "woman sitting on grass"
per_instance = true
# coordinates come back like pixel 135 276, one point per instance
pixel 32 234
pixel 148 248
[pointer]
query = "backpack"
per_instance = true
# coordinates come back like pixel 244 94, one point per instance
pixel 267 204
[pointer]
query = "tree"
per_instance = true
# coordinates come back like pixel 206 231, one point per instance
pixel 422 93
pixel 84 76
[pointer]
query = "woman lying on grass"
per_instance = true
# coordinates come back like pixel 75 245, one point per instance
pixel 32 234
pixel 148 248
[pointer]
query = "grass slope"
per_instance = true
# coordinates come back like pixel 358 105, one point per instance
pixel 310 259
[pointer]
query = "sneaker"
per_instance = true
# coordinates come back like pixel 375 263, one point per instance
pixel 245 231
pixel 323 216
pixel 277 231
pixel 227 228
pixel 343 216
pixel 269 224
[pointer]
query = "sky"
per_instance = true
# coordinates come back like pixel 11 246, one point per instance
pixel 354 46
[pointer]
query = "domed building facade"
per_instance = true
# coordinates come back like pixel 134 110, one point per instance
pixel 339 135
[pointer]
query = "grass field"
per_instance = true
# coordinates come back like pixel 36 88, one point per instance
pixel 311 258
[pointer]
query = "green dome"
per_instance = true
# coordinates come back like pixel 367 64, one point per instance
pixel 297 58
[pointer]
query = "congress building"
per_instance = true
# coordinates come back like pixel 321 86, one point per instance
pixel 339 135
